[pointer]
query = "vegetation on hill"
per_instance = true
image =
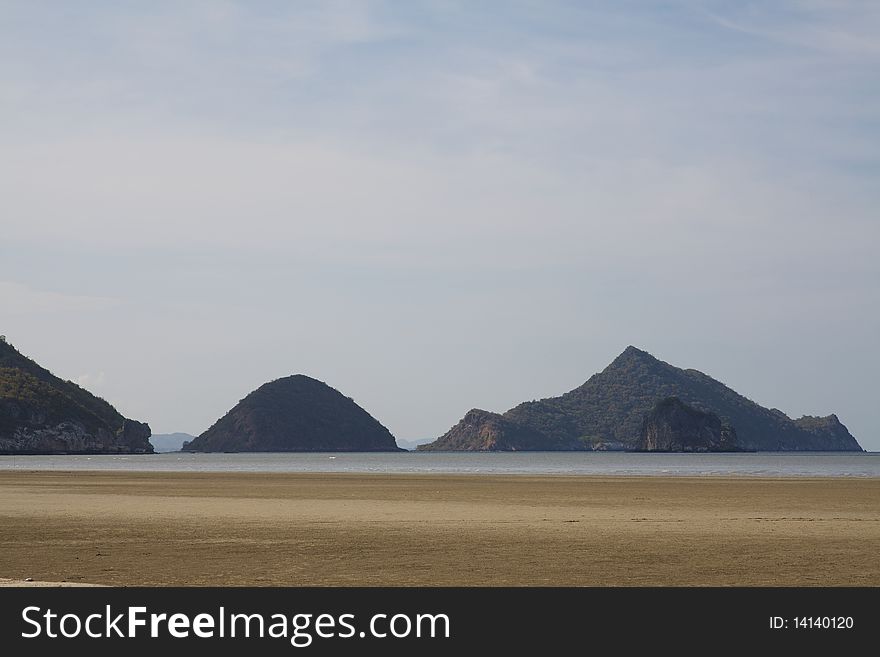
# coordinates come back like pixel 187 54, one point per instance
pixel 27 381
pixel 295 414
pixel 41 413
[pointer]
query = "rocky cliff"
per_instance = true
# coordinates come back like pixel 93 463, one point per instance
pixel 828 432
pixel 483 431
pixel 42 414
pixel 673 426
pixel 295 414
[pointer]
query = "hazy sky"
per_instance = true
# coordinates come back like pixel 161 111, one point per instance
pixel 440 205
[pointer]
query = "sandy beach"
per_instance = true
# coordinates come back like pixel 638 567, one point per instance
pixel 127 529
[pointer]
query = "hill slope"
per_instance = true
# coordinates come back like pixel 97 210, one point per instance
pixel 42 414
pixel 295 414
pixel 488 432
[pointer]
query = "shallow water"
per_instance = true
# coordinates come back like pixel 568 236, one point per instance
pixel 764 464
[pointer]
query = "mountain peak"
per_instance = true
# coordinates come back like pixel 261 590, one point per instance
pixel 293 383
pixel 633 356
pixel 635 352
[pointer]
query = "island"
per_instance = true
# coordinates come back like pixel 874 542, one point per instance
pixel 295 414
pixel 608 412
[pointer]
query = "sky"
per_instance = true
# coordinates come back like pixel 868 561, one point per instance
pixel 434 206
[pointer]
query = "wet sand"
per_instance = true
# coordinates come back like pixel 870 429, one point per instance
pixel 128 529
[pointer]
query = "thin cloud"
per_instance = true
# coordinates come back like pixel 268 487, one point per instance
pixel 18 299
pixel 837 28
pixel 91 381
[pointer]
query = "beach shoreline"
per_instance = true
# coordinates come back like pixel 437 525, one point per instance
pixel 342 529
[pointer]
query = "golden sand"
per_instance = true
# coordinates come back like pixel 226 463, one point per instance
pixel 415 530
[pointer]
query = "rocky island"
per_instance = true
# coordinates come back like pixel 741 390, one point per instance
pixel 42 414
pixel 607 412
pixel 295 414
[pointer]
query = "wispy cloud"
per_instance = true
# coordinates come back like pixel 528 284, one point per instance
pixel 838 28
pixel 91 381
pixel 18 299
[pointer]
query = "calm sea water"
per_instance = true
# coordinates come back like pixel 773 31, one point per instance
pixel 766 464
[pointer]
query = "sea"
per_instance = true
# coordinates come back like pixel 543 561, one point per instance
pixel 752 464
